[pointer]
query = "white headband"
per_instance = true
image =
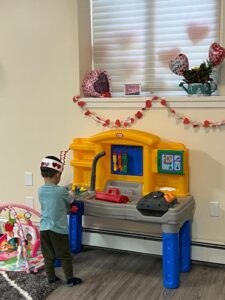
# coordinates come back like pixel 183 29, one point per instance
pixel 52 164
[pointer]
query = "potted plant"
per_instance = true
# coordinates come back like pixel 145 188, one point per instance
pixel 199 80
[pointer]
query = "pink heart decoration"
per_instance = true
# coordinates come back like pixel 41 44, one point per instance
pixel 216 54
pixel 179 64
pixel 197 32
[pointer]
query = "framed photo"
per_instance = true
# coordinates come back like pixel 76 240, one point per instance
pixel 132 89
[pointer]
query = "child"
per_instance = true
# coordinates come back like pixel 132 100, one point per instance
pixel 55 202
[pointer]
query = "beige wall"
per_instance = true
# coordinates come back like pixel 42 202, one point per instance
pixel 39 74
pixel 38 78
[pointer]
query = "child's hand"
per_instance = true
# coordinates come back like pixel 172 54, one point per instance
pixel 71 193
pixel 71 196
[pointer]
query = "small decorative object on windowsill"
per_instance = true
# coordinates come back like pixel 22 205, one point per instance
pixel 97 83
pixel 132 89
pixel 198 81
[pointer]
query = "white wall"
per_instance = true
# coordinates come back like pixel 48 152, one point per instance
pixel 39 74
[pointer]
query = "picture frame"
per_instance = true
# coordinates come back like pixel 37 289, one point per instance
pixel 132 89
pixel 170 161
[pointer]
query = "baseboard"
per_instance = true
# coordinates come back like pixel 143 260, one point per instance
pixel 147 244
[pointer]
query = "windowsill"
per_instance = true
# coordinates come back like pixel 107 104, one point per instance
pixel 139 101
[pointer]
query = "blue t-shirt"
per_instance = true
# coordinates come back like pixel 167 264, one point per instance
pixel 55 202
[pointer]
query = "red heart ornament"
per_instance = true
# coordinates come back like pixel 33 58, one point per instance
pixel 216 54
pixel 139 114
pixel 186 121
pixel 148 103
pixel 163 102
pixel 118 123
pixel 87 113
pixel 206 123
pixel 107 122
pixel 81 103
pixel 179 64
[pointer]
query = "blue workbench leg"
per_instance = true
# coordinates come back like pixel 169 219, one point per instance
pixel 185 247
pixel 75 226
pixel 171 260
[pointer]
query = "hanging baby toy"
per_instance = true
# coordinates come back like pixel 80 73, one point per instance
pixel 20 242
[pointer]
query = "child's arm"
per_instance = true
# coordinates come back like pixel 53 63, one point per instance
pixel 69 197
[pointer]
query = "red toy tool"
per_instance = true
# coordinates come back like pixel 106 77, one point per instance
pixel 112 195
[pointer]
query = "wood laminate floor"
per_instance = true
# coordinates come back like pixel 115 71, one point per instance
pixel 115 275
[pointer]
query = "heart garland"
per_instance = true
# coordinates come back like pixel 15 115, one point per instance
pixel 129 121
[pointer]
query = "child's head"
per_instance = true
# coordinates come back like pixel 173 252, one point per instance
pixel 51 166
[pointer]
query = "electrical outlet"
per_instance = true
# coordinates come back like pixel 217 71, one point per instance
pixel 28 177
pixel 29 201
pixel 214 208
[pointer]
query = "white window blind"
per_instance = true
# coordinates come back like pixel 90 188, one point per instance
pixel 135 40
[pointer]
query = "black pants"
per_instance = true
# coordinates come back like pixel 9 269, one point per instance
pixel 56 245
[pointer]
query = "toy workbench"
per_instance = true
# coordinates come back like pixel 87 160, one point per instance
pixel 130 175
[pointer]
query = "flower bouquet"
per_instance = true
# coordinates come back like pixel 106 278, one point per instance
pixel 198 80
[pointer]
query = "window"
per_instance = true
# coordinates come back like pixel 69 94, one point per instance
pixel 135 40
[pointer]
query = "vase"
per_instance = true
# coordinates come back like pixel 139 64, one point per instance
pixel 199 89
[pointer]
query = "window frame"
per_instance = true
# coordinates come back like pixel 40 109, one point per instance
pixel 86 64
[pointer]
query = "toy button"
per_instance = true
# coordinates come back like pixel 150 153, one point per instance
pixel 74 209
pixel 169 197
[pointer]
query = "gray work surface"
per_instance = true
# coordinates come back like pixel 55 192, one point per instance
pixel 170 222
